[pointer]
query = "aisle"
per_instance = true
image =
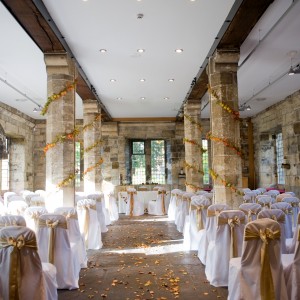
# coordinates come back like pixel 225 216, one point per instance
pixel 142 259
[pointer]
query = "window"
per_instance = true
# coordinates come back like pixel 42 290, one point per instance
pixel 77 163
pixel 148 162
pixel 205 163
pixel 158 174
pixel 138 162
pixel 279 159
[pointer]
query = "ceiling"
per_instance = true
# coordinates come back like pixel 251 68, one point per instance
pixel 88 26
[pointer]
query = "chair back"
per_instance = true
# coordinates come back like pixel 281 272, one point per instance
pixel 199 205
pixel 250 210
pixel 21 274
pixel 32 215
pixel 12 220
pixel 246 190
pixel 6 195
pixel 261 274
pixel 249 197
pixel 279 216
pixel 294 202
pixel 280 197
pixel 264 200
pixel 17 207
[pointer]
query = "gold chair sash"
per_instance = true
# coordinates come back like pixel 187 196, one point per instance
pixel 249 213
pixel 199 219
pixel 213 213
pixel 86 225
pixel 131 203
pixel 281 218
pixel 15 258
pixel 177 198
pixel 163 208
pixel 232 222
pixel 266 281
pixel 52 225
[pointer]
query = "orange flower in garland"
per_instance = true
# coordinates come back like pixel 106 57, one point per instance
pixel 192 186
pixel 61 139
pixel 193 121
pixel 193 167
pixel 193 142
pixel 227 184
pixel 238 151
pixel 57 96
pixel 66 181
pixel 87 126
pixel 89 169
pixel 93 146
pixel 235 114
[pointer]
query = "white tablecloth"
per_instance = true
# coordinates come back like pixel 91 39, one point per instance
pixel 144 196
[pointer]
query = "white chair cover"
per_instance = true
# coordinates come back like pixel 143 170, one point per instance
pixel 134 207
pixel 208 195
pixel 272 193
pixel 279 216
pixel 178 203
pixel 195 224
pixel 21 273
pixel 258 273
pixel 80 196
pixel 101 210
pixel 291 243
pixel 209 233
pixel 250 210
pixel 288 210
pixel 291 270
pixel 27 197
pixel 227 245
pixel 54 247
pixel 88 223
pixel 262 190
pixel 183 210
pixel 246 190
pixel 2 209
pixel 6 195
pixel 113 207
pixel 32 215
pixel 75 237
pixel 12 220
pixel 291 193
pixel 281 196
pixel 17 207
pixel 265 201
pixel 159 206
pixel 294 201
pixel 250 197
pixel 37 201
pixel 172 205
pixel 201 192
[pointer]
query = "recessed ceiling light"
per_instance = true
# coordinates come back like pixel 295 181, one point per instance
pixel 142 80
pixel 85 0
pixel 21 100
pixel 103 50
pixel 119 98
pixel 171 80
pixel 260 99
pixel 166 98
pixel 140 50
pixel 179 50
pixel 113 80
pixel 143 98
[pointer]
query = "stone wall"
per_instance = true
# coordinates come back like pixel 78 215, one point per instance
pixel 18 127
pixel 283 117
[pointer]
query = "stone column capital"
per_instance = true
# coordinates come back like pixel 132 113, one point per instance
pixel 90 106
pixel 59 63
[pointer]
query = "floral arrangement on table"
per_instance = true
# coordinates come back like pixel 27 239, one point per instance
pixel 226 107
pixel 226 142
pixel 55 97
pixel 97 164
pixel 228 184
pixel 193 142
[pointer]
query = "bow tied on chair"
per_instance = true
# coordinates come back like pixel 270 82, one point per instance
pixel 51 224
pixel 131 193
pixel 199 220
pixel 14 269
pixel 266 280
pixel 163 193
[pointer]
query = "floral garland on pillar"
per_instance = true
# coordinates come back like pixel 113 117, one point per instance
pixel 55 97
pixel 195 143
pixel 97 164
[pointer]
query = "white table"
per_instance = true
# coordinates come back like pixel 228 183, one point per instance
pixel 143 196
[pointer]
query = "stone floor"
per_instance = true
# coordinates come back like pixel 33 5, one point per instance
pixel 142 258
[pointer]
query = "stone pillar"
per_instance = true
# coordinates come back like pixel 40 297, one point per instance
pixel 60 160
pixel 193 153
pixel 222 76
pixel 17 162
pixel 91 136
